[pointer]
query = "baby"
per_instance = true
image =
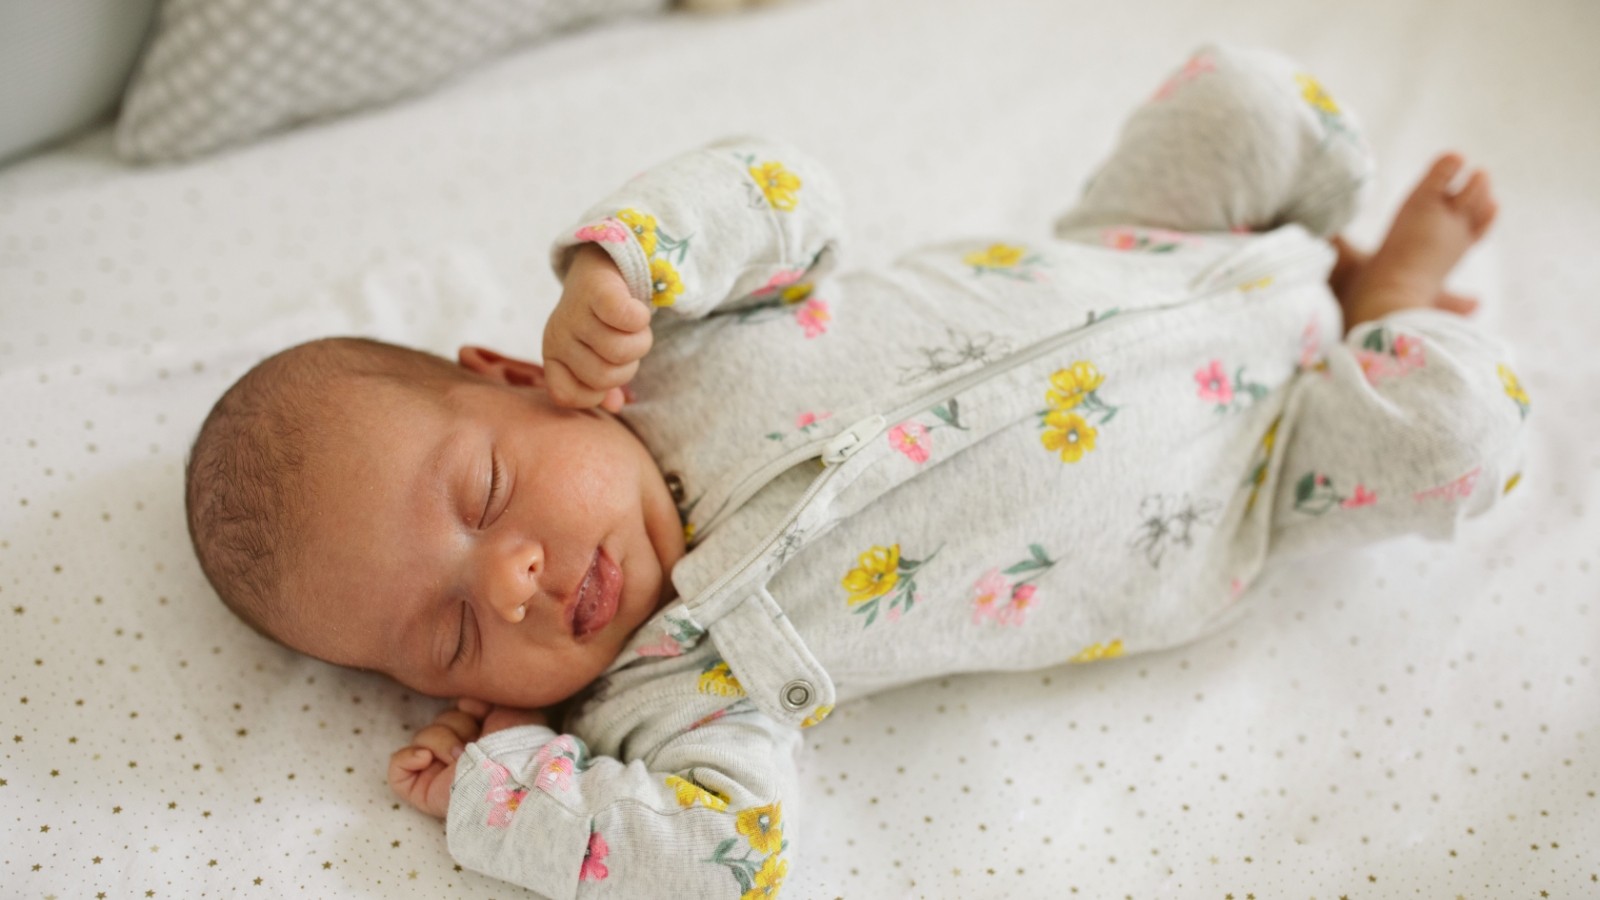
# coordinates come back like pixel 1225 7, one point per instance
pixel 692 533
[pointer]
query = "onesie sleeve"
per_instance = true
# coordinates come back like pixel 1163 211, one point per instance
pixel 1412 423
pixel 700 815
pixel 741 220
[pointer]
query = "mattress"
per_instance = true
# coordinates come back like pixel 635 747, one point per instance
pixel 1410 719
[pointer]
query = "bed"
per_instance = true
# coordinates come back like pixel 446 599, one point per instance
pixel 1412 719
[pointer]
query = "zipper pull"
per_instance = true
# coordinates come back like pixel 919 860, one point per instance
pixel 844 445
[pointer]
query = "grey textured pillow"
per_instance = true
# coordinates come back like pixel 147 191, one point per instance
pixel 221 72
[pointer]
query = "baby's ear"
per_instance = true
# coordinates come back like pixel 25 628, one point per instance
pixel 503 369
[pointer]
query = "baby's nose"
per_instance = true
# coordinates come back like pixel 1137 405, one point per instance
pixel 516 580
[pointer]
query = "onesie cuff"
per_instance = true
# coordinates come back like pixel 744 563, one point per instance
pixel 619 241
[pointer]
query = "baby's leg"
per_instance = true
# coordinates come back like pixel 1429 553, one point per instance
pixel 1238 139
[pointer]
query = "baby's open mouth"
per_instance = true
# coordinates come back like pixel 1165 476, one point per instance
pixel 597 599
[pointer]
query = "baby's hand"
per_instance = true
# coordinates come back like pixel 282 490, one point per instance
pixel 596 336
pixel 422 773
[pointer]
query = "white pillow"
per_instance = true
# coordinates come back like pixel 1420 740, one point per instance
pixel 221 72
pixel 63 64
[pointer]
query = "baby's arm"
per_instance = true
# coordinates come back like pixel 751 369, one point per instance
pixel 738 219
pixel 698 815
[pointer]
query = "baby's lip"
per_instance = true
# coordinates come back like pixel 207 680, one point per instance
pixel 594 602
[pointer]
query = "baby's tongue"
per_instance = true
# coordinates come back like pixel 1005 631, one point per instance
pixel 597 597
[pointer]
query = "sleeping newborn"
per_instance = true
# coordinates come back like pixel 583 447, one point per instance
pixel 736 493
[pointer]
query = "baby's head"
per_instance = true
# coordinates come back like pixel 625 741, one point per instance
pixel 446 524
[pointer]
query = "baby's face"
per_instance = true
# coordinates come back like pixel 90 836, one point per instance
pixel 477 540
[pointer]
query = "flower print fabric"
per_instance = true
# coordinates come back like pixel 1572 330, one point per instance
pixel 1227 394
pixel 594 867
pixel 882 572
pixel 1066 432
pixel 1011 261
pixel 502 801
pixel 689 793
pixel 780 186
pixel 911 440
pixel 1385 354
pixel 718 678
pixel 1513 389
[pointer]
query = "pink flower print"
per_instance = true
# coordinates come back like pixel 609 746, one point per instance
pixel 1362 497
pixel 593 869
pixel 1016 612
pixel 1236 587
pixel 807 419
pixel 554 764
pixel 665 647
pixel 780 280
pixel 554 775
pixel 1375 367
pixel 1408 353
pixel 1310 345
pixel 986 594
pixel 813 316
pixel 910 438
pixel 894 613
pixel 1191 70
pixel 1241 228
pixel 503 801
pixel 707 720
pixel 1120 238
pixel 609 231
pixel 1214 384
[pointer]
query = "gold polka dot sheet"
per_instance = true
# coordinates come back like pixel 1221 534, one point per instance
pixel 1409 719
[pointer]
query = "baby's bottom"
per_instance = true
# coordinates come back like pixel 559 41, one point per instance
pixel 1236 140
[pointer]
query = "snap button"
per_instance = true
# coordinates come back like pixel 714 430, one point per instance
pixel 796 695
pixel 674 487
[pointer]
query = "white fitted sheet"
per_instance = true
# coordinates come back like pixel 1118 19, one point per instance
pixel 1413 719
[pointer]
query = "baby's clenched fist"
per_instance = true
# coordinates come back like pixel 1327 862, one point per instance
pixel 596 336
pixel 421 774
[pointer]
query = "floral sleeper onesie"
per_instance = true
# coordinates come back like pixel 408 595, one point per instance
pixel 991 455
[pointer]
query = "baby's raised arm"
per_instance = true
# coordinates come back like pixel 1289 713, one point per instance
pixel 739 222
pixel 421 772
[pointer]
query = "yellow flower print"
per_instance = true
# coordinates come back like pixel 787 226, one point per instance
pixel 779 184
pixel 1068 433
pixel 643 227
pixel 794 293
pixel 665 285
pixel 720 680
pixel 998 256
pixel 817 715
pixel 1095 652
pixel 1311 90
pixel 768 880
pixel 1258 284
pixel 763 825
pixel 1513 388
pixel 688 792
pixel 875 574
pixel 1511 483
pixel 1069 386
pixel 688 533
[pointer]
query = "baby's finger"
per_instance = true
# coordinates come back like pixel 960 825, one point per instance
pixel 408 761
pixel 614 401
pixel 465 727
pixel 611 344
pixel 566 389
pixel 1455 303
pixel 595 373
pixel 441 742
pixel 619 310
